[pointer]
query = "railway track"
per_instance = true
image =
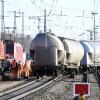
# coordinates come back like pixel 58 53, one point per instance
pixel 14 86
pixel 59 90
pixel 26 89
pixel 11 84
pixel 97 76
pixel 94 87
pixel 62 90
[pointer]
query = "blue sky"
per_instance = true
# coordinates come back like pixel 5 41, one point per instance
pixel 71 25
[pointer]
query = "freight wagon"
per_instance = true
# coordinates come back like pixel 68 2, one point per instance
pixel 51 53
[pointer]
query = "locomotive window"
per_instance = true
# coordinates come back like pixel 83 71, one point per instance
pixel 9 48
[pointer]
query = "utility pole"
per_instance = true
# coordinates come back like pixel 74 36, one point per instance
pixel 38 24
pixel 22 22
pixel 45 22
pixel 2 20
pixel 9 36
pixel 22 37
pixel 15 25
pixel 45 31
pixel 91 35
pixel 93 14
pixel 37 18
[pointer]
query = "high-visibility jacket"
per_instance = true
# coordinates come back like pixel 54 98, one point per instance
pixel 13 64
pixel 27 66
pixel 19 67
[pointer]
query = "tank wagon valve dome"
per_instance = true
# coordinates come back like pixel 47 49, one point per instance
pixel 39 41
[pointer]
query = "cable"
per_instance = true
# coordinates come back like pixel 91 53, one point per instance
pixel 37 8
pixel 52 7
pixel 43 3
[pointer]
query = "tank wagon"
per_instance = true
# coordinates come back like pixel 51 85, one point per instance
pixel 47 51
pixel 51 53
pixel 74 54
pixel 91 57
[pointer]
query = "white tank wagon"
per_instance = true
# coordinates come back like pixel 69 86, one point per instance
pixel 73 56
pixel 87 59
pixel 74 51
pixel 91 59
pixel 47 52
pixel 95 50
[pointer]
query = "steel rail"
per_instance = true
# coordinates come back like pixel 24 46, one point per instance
pixel 27 89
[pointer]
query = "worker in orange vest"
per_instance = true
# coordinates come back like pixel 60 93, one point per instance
pixel 19 72
pixel 14 68
pixel 27 68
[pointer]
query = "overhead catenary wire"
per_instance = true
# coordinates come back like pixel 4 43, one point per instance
pixel 53 7
pixel 39 8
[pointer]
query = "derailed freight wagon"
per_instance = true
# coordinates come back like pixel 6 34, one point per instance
pixel 47 51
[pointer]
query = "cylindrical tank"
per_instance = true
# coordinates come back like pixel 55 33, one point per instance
pixel 74 51
pixel 88 54
pixel 96 51
pixel 46 49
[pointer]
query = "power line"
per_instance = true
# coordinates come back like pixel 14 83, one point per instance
pixel 51 8
pixel 42 3
pixel 37 8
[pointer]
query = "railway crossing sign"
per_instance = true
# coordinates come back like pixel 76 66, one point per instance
pixel 81 89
